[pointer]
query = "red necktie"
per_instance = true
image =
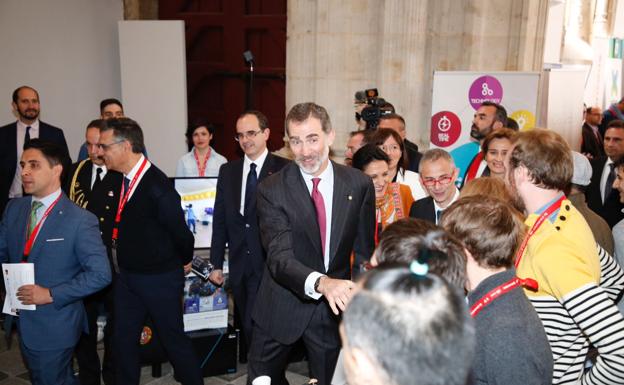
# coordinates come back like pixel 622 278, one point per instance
pixel 319 205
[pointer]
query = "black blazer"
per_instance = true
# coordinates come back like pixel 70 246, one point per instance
pixel 590 144
pixel 611 210
pixel 153 236
pixel 291 237
pixel 423 209
pixel 102 201
pixel 229 226
pixel 8 153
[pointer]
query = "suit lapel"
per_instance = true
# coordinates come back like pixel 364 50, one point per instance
pixel 237 182
pixel 303 204
pixel 12 145
pixel 22 223
pixel 340 208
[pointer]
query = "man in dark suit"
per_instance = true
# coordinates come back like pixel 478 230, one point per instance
pixel 312 214
pixel 150 246
pixel 13 137
pixel 437 175
pixel 235 219
pixel 93 187
pixel 64 244
pixel 591 139
pixel 601 197
pixel 397 123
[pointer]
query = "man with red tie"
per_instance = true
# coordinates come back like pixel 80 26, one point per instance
pixel 312 214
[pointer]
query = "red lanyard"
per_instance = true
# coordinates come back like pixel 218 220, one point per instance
pixel 545 215
pixel 474 167
pixel 124 196
pixel 201 169
pixel 33 235
pixel 501 290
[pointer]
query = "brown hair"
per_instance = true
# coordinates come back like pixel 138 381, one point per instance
pixel 412 239
pixel 379 136
pixel 489 228
pixel 502 133
pixel 263 122
pixel 488 186
pixel 546 156
pixel 301 112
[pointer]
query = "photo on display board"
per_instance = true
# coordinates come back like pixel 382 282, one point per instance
pixel 197 200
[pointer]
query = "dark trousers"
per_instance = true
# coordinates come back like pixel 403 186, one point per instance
pixel 268 357
pixel 158 296
pixel 86 351
pixel 49 367
pixel 245 293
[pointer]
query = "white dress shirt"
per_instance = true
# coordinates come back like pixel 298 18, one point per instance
pixel 133 172
pixel 603 179
pixel 46 201
pixel 437 208
pixel 326 188
pixel 16 186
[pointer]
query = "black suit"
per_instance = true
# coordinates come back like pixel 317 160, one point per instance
pixel 423 209
pixel 8 153
pixel 284 313
pixel 246 255
pixel 153 245
pixel 591 144
pixel 413 155
pixel 101 201
pixel 611 210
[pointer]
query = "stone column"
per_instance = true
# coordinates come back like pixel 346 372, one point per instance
pixel 335 48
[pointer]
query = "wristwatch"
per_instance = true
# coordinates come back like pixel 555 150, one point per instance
pixel 316 283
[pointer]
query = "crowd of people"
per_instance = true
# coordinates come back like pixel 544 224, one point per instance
pixel 393 268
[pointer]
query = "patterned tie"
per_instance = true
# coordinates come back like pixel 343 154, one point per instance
pixel 98 178
pixel 250 187
pixel 609 185
pixel 319 205
pixel 36 205
pixel 27 136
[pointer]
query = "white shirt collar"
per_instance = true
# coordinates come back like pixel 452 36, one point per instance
pixel 48 199
pixel 34 126
pixel 259 162
pixel 136 167
pixel 455 197
pixel 327 174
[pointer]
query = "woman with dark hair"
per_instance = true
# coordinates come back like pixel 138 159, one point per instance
pixel 495 147
pixel 202 160
pixel 391 143
pixel 392 200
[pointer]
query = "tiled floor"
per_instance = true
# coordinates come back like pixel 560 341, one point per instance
pixel 13 371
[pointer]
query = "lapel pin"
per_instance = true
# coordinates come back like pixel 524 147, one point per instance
pixel 60 212
pixel 350 197
pixel 110 194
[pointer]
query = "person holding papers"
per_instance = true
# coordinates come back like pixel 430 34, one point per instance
pixel 63 244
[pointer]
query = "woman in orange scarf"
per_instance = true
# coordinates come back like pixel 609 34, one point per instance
pixel 392 200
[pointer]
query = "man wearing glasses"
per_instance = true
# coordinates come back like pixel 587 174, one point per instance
pixel 150 245
pixel 235 219
pixel 437 175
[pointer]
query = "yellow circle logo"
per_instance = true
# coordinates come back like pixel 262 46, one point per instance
pixel 525 119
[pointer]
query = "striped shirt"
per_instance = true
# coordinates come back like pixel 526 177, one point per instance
pixel 575 300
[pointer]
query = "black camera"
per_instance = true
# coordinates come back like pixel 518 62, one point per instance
pixel 375 108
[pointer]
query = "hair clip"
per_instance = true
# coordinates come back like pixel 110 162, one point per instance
pixel 419 269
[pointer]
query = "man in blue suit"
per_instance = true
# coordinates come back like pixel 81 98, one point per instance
pixel 64 244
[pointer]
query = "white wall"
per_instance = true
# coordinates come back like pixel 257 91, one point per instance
pixel 68 51
pixel 153 82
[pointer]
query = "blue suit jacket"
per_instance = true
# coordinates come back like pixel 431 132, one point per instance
pixel 69 258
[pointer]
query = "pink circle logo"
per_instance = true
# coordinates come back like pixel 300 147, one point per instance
pixel 485 88
pixel 445 128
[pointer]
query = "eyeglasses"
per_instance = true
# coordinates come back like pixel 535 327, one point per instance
pixel 106 147
pixel 442 181
pixel 248 135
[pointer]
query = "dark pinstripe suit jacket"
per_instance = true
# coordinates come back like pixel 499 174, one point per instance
pixel 290 235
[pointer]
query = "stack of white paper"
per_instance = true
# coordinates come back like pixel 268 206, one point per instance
pixel 15 276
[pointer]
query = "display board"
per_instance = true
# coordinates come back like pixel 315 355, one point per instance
pixel 458 94
pixel 197 200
